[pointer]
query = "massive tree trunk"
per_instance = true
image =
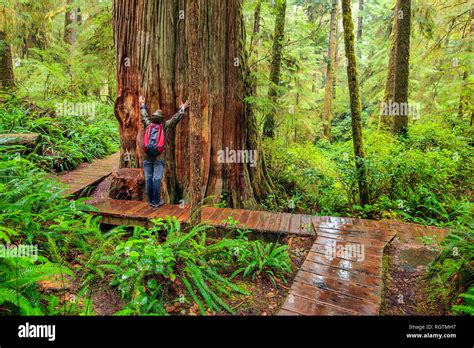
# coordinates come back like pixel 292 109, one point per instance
pixel 273 92
pixel 330 72
pixel 402 66
pixel 7 80
pixel 360 20
pixel 353 80
pixel 151 41
pixel 194 34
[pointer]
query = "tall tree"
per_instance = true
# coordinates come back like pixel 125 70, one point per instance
pixel 326 117
pixel 353 81
pixel 402 66
pixel 7 80
pixel 195 17
pixel 386 120
pixel 277 50
pixel 151 43
pixel 396 87
pixel 254 41
pixel 70 23
pixel 360 19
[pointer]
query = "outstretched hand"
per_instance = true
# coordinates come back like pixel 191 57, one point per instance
pixel 185 105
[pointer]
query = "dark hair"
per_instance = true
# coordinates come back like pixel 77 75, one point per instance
pixel 157 117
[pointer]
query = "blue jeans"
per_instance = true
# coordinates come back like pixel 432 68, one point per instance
pixel 153 175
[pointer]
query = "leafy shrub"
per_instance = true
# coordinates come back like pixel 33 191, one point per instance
pixel 66 140
pixel 424 178
pixel 452 271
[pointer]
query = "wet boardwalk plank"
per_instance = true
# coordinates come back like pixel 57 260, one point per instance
pixel 88 175
pixel 342 273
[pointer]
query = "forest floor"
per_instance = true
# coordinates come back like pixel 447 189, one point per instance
pixel 406 289
pixel 266 297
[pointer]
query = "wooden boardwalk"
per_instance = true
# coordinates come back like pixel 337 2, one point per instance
pixel 342 273
pixel 88 175
pixel 119 212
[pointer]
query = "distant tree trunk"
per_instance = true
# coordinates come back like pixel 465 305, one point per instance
pixel 330 72
pixel 152 45
pixel 353 80
pixel 402 66
pixel 254 41
pixel 360 20
pixel 386 120
pixel 194 35
pixel 70 24
pixel 7 80
pixel 465 98
pixel 273 93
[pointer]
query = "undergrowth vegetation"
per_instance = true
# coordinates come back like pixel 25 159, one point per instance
pixel 66 139
pixel 150 269
pixel 425 177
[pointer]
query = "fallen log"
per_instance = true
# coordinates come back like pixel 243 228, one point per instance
pixel 29 140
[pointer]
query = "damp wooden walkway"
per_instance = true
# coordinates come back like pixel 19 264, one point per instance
pixel 88 174
pixel 119 212
pixel 342 273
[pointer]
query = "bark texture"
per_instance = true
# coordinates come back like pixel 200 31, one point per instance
pixel 7 79
pixel 360 20
pixel 70 24
pixel 326 117
pixel 402 65
pixel 353 80
pixel 194 34
pixel 273 93
pixel 152 60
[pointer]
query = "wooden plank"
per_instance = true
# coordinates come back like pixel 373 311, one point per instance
pixel 285 222
pixel 295 224
pixel 244 218
pixel 337 285
pixel 374 269
pixel 275 223
pixel 330 243
pixel 304 306
pixel 335 299
pixel 284 312
pixel 306 225
pixel 342 274
pixel 253 219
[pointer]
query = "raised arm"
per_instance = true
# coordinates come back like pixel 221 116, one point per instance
pixel 173 121
pixel 143 112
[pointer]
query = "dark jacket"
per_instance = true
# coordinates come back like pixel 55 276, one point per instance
pixel 170 124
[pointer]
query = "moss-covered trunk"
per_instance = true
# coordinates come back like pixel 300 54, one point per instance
pixel 353 80
pixel 326 117
pixel 7 80
pixel 402 66
pixel 277 49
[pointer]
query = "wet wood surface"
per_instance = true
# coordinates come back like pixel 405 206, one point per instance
pixel 342 273
pixel 88 175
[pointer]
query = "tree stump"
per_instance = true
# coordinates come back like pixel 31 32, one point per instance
pixel 128 184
